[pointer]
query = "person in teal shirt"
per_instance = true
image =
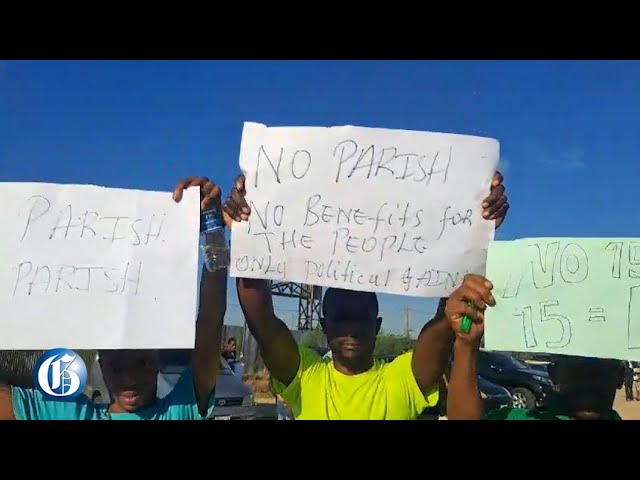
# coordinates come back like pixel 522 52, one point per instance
pixel 131 376
pixel 135 403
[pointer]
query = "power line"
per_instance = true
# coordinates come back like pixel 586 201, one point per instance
pixel 236 305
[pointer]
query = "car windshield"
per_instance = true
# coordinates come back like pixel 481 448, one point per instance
pixel 225 369
pixel 506 361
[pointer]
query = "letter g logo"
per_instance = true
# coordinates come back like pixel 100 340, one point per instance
pixel 60 374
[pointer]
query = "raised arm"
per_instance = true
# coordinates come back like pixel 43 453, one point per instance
pixel 277 345
pixel 432 351
pixel 463 399
pixel 205 360
pixel 435 342
pixel 6 403
pixel 278 348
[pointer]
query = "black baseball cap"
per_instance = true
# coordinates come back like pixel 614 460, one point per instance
pixel 579 360
pixel 339 304
pixel 588 365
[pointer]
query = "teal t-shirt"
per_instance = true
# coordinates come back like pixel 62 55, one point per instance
pixel 180 404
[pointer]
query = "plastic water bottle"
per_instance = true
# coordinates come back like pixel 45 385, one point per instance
pixel 213 245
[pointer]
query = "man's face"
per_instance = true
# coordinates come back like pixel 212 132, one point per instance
pixel 351 325
pixel 232 345
pixel 352 340
pixel 131 377
pixel 587 388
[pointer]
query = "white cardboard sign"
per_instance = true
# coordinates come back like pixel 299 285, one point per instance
pixel 369 209
pixel 87 267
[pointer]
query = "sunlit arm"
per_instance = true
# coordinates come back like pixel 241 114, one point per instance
pixel 205 361
pixel 463 395
pixel 278 348
pixel 432 351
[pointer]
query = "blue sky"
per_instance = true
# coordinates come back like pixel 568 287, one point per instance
pixel 569 132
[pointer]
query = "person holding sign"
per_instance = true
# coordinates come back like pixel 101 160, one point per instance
pixel 586 387
pixel 463 393
pixel 352 385
pixel 131 375
pixel 586 391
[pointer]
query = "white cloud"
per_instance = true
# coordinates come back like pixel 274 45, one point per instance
pixel 503 165
pixel 573 158
pixel 568 159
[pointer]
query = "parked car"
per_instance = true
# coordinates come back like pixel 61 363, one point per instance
pixel 322 351
pixel 493 397
pixel 283 410
pixel 234 398
pixel 529 386
pixel 539 366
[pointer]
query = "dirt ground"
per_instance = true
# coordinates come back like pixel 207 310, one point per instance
pixel 627 410
pixel 264 399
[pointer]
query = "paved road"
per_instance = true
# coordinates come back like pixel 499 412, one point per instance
pixel 266 412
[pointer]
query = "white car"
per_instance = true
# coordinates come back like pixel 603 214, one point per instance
pixel 234 398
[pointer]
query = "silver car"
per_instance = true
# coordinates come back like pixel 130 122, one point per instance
pixel 234 398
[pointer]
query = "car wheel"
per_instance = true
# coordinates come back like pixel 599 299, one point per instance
pixel 523 398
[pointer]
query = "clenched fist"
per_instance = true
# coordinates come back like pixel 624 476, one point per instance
pixel 236 207
pixel 471 299
pixel 210 193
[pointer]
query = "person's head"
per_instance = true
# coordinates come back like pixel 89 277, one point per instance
pixel 231 344
pixel 587 386
pixel 131 376
pixel 351 323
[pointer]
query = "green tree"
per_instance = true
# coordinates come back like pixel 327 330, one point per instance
pixel 387 344
pixel 391 344
pixel 313 338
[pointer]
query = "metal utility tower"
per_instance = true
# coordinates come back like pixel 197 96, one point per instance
pixel 310 299
pixel 407 322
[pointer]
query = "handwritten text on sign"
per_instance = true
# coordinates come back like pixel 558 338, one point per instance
pixel 88 267
pixel 364 209
pixel 566 296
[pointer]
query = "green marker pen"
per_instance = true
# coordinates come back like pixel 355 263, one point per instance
pixel 465 322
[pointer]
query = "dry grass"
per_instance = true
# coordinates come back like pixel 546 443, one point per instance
pixel 259 382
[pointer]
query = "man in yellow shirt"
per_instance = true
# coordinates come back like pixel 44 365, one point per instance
pixel 352 385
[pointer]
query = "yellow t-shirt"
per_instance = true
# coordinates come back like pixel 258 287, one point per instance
pixel 388 391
